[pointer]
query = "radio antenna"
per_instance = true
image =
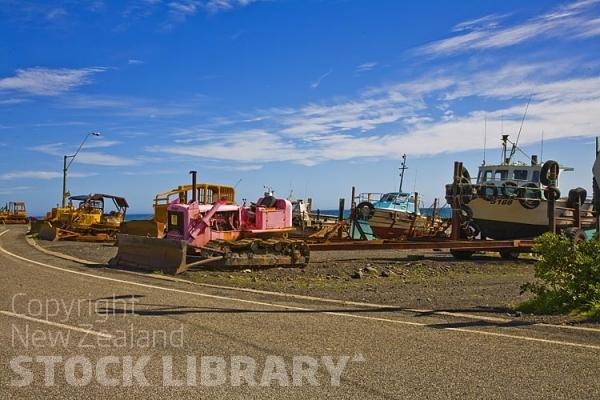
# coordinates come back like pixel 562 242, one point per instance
pixel 484 137
pixel 514 145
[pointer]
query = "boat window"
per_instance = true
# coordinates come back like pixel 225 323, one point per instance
pixel 487 175
pixel 535 176
pixel 520 175
pixel 401 198
pixel 501 174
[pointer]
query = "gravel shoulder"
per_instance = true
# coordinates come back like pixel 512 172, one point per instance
pixel 419 279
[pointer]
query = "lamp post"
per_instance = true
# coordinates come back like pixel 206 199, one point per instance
pixel 66 167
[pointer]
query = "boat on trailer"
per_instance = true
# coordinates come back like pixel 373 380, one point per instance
pixel 510 200
pixel 396 215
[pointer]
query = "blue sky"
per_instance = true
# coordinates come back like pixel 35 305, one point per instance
pixel 312 96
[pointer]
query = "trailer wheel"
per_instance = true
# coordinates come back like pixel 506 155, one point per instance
pixel 576 235
pixel 461 254
pixel 509 254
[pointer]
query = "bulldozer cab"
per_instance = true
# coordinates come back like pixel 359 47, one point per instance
pixel 91 209
pixel 17 208
pixel 13 212
pixel 206 193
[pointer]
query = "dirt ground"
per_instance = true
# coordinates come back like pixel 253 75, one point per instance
pixel 411 279
pixel 417 279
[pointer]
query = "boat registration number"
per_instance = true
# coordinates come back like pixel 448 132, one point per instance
pixel 502 202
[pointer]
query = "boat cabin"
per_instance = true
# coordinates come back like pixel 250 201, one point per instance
pixel 519 174
pixel 398 201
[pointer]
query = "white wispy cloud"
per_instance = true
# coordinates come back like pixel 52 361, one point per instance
pixel 56 14
pixel 226 5
pixel 103 159
pixel 87 157
pixel 130 106
pixel 47 82
pixel 180 10
pixel 317 83
pixel 565 22
pixel 485 22
pixel 133 61
pixel 13 190
pixel 365 67
pixel 423 116
pixel 41 175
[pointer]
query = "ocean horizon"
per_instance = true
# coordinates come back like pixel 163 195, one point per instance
pixel 445 212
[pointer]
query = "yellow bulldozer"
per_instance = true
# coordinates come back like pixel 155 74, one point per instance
pixel 85 218
pixel 13 212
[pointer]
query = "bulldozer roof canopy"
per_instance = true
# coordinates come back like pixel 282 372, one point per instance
pixel 119 201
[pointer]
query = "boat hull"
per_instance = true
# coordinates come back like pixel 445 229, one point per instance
pixel 398 225
pixel 508 219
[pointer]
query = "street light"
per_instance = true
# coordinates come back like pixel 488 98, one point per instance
pixel 66 167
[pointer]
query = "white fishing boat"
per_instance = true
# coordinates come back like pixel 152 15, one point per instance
pixel 510 200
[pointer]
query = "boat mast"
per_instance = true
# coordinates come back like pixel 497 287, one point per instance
pixel 515 144
pixel 402 168
pixel 504 149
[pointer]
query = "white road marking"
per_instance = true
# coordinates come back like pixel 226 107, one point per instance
pixel 323 299
pixel 233 299
pixel 57 325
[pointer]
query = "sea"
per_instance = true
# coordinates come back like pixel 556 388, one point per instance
pixel 444 212
pixel 130 217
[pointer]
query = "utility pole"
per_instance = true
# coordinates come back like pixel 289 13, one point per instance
pixel 66 166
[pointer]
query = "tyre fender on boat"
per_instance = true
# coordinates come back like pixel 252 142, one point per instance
pixel 552 191
pixel 364 210
pixel 465 188
pixel 485 188
pixel 526 201
pixel 465 174
pixel 550 168
pixel 509 189
pixel 577 195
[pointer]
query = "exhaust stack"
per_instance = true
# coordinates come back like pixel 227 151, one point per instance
pixel 194 189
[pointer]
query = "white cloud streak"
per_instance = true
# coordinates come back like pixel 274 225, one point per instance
pixel 365 67
pixel 40 175
pixel 317 83
pixel 87 157
pixel 47 82
pixel 422 117
pixel 571 21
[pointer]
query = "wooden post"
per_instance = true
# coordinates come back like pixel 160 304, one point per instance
pixel 340 216
pixel 596 189
pixel 577 214
pixel 411 230
pixel 551 210
pixel 353 219
pixel 456 201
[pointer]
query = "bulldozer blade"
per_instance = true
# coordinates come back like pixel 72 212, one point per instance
pixel 36 225
pixel 147 227
pixel 46 231
pixel 150 254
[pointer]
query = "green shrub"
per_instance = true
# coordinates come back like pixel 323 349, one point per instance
pixel 569 275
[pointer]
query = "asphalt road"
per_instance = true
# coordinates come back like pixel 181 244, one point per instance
pixel 71 331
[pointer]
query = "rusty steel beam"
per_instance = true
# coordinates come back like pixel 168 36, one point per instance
pixel 477 245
